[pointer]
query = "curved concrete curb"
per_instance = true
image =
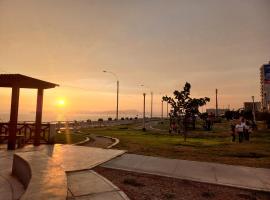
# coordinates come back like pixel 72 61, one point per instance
pixel 87 139
pixel 42 176
pixel 116 141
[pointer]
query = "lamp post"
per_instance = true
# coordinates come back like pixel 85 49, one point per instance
pixel 117 91
pixel 144 129
pixel 151 115
pixel 144 94
pixel 216 103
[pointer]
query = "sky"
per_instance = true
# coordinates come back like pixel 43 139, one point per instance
pixel 160 44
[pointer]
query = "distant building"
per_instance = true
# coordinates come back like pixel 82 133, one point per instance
pixel 265 86
pixel 213 111
pixel 248 106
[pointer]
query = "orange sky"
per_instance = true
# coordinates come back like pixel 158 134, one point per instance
pixel 161 44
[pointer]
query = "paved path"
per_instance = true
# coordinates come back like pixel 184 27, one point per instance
pixel 72 159
pixel 97 141
pixel 89 185
pixel 236 176
pixel 10 187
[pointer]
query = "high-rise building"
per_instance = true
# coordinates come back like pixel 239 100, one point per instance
pixel 265 86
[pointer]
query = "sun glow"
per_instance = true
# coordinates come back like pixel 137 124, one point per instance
pixel 61 102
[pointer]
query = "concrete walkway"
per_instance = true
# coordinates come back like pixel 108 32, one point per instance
pixel 235 176
pixel 75 160
pixel 10 187
pixel 89 185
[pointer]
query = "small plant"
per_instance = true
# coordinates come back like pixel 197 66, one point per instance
pixel 132 182
pixel 169 196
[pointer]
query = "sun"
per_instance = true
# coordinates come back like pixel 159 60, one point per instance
pixel 61 102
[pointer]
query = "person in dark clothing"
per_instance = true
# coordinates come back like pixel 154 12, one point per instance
pixel 233 132
pixel 247 131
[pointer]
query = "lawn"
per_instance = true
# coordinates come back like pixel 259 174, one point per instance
pixel 68 138
pixel 210 146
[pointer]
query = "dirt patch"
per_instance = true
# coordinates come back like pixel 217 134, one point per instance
pixel 139 186
pixel 247 155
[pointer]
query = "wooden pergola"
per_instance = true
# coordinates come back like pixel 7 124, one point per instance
pixel 17 81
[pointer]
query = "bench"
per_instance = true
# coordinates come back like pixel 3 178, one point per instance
pixel 42 177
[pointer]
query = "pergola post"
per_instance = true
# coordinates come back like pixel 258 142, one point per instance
pixel 13 118
pixel 38 117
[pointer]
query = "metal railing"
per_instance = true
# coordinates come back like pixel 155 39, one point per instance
pixel 27 130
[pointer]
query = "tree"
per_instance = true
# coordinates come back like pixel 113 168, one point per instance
pixel 184 109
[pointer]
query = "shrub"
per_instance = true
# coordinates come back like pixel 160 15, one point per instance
pixel 132 182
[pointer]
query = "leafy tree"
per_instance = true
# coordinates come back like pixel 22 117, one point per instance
pixel 228 115
pixel 184 108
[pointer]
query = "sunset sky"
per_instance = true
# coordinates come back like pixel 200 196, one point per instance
pixel 161 44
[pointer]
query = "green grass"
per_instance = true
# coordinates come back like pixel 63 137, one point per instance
pixel 68 138
pixel 211 146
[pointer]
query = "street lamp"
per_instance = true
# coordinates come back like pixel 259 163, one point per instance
pixel 117 91
pixel 151 115
pixel 151 105
pixel 144 129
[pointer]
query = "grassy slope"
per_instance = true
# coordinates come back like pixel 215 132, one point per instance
pixel 213 146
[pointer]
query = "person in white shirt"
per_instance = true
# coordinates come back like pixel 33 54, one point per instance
pixel 239 128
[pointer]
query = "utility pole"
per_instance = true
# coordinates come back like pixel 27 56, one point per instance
pixel 151 105
pixel 117 91
pixel 216 102
pixel 144 111
pixel 117 100
pixel 167 109
pixel 161 109
pixel 253 109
